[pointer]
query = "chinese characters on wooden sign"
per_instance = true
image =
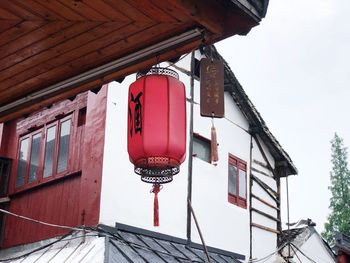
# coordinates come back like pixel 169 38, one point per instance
pixel 212 88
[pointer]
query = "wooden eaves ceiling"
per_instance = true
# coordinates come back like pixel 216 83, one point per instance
pixel 46 42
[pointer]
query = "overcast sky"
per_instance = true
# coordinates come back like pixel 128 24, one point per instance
pixel 295 68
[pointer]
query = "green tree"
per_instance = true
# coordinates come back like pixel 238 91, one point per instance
pixel 339 217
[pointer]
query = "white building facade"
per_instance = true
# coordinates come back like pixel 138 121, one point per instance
pixel 236 200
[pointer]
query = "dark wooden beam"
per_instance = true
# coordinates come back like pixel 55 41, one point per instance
pixel 261 172
pixel 265 214
pixel 281 171
pixel 265 228
pixel 264 185
pixel 250 198
pixel 266 188
pixel 279 224
pixel 256 138
pixel 262 164
pixel 265 202
pixel 207 13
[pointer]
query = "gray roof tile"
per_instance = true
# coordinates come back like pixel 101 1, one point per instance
pixel 116 245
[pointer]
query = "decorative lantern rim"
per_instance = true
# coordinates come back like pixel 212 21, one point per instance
pixel 157 170
pixel 158 71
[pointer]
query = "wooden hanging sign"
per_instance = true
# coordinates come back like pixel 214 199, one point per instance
pixel 212 88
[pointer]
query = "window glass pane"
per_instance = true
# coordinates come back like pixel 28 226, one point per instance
pixel 34 157
pixel 201 149
pixel 232 179
pixel 242 184
pixel 63 148
pixel 22 162
pixel 49 151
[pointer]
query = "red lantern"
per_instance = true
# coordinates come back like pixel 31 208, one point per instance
pixel 157 126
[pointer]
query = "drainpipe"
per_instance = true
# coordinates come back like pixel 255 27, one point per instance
pixel 250 199
pixel 190 152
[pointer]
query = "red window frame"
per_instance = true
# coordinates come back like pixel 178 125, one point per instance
pixel 239 164
pixel 54 175
pixel 28 136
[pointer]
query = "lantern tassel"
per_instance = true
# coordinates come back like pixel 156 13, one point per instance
pixel 214 156
pixel 156 189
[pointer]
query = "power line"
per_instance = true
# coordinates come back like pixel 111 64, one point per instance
pixel 82 229
pixel 110 234
pixel 239 126
pixel 99 231
pixel 40 222
pixel 263 259
pixel 313 261
pixel 304 253
pixel 134 245
pixel 295 253
pixel 173 64
pixel 35 250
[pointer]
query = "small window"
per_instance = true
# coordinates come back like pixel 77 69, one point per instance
pixel 22 162
pixel 5 165
pixel 44 153
pixel 49 151
pixel 82 117
pixel 242 184
pixel 232 179
pixel 34 157
pixel 63 146
pixel 201 148
pixel 237 181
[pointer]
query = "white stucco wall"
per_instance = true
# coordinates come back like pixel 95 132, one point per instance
pixel 315 250
pixel 264 242
pixel 125 199
pixel 223 224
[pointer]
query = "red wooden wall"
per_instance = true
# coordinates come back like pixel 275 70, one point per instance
pixel 71 200
pixel 56 203
pixel 343 258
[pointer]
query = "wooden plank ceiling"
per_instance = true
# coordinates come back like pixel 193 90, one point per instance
pixel 43 42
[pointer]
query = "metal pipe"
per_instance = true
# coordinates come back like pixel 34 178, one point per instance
pixel 250 199
pixel 279 224
pixel 288 215
pixel 199 230
pixel 190 151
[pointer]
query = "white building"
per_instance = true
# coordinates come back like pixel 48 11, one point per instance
pixel 227 217
pixel 305 244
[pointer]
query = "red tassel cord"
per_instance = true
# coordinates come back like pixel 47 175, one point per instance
pixel 156 189
pixel 214 156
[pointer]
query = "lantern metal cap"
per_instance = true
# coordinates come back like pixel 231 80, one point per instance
pixel 158 71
